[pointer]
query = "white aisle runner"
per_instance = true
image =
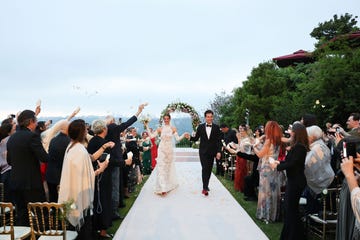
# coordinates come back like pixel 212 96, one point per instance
pixel 186 214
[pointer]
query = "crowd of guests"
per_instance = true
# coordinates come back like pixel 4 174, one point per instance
pixel 94 167
pixel 276 167
pixel 90 167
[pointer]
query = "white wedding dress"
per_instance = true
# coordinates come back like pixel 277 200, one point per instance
pixel 166 179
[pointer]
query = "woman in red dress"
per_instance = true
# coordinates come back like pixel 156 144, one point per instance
pixel 241 170
pixel 153 150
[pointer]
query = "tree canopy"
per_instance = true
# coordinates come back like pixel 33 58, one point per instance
pixel 328 87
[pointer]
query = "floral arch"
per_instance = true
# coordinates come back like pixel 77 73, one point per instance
pixel 182 107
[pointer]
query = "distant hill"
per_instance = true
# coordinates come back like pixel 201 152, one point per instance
pixel 183 124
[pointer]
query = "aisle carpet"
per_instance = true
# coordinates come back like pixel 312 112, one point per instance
pixel 186 214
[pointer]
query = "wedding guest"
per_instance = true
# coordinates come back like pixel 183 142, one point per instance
pixel 296 182
pixel 7 128
pixel 345 228
pixel 353 124
pixel 146 155
pixel 113 135
pixel 245 144
pixel 102 202
pixel 57 149
pixel 153 149
pixel 318 171
pixel 78 180
pixel 269 183
pixel 229 136
pixel 135 171
pixel 308 120
pixel 251 182
pixel 24 154
pixel 347 167
pixel 47 134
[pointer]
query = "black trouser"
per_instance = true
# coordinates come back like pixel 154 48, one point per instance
pixel 53 192
pixel 251 181
pixel 86 231
pixel 206 164
pixel 21 199
pixel 219 167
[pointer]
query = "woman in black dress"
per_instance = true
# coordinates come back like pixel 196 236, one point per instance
pixel 296 182
pixel 103 184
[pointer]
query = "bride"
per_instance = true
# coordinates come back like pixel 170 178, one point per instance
pixel 166 179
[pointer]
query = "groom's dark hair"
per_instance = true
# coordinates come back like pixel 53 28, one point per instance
pixel 208 111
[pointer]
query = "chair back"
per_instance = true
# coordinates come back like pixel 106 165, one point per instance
pixel 324 223
pixel 47 219
pixel 7 220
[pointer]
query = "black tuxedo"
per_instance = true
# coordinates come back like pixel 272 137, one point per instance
pixel 24 154
pixel 209 147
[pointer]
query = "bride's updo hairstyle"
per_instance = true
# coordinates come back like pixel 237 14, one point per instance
pixel 167 115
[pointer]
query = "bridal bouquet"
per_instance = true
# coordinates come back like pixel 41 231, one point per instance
pixel 144 119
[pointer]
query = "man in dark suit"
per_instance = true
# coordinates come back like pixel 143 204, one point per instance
pixel 210 147
pixel 24 154
pixel 57 148
pixel 117 163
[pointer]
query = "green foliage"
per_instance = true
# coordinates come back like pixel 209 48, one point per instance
pixel 328 88
pixel 334 27
pixel 184 143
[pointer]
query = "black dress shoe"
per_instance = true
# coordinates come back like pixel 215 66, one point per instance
pixel 250 199
pixel 117 217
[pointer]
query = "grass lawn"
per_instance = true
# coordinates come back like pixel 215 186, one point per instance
pixel 272 230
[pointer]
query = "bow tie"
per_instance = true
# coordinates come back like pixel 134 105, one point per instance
pixel 208 125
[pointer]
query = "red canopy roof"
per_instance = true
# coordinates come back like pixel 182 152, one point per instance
pixel 299 56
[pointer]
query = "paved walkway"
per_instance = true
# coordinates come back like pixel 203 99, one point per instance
pixel 185 213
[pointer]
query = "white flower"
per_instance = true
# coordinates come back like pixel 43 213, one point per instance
pixel 325 191
pixel 73 206
pixel 145 118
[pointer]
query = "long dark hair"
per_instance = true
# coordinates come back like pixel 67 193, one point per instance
pixel 77 130
pixel 5 130
pixel 300 136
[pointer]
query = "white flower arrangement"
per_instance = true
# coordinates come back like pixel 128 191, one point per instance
pixel 68 206
pixel 145 118
pixel 182 107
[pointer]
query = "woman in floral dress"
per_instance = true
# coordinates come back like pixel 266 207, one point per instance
pixel 269 182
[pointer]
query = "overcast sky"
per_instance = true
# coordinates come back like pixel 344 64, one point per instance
pixel 108 56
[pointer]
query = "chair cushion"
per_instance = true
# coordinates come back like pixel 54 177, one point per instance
pixel 70 235
pixel 20 232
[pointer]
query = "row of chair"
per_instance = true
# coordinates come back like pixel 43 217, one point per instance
pixel 47 221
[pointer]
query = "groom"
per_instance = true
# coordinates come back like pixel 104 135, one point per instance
pixel 210 147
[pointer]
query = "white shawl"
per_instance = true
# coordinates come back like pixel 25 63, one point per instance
pixel 77 183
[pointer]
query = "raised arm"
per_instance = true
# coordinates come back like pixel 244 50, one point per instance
pixel 264 150
pixel 73 114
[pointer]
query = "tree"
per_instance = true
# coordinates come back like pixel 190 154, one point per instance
pixel 328 88
pixel 334 27
pixel 219 105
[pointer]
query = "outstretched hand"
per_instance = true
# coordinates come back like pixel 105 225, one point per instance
pixel 141 108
